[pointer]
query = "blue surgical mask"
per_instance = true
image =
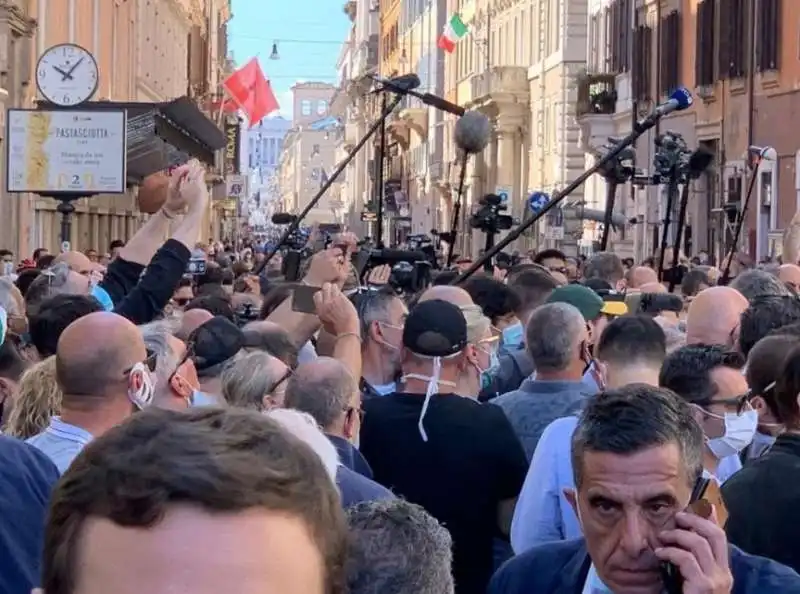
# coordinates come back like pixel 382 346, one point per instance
pixel 102 296
pixel 512 336
pixel 385 389
pixel 201 399
pixel 487 375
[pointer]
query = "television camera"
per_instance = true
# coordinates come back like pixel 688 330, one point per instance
pixel 488 218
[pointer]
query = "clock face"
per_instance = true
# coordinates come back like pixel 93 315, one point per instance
pixel 67 75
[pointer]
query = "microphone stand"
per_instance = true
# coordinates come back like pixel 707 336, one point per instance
pixel 679 234
pixel 379 187
pixel 639 128
pixel 672 191
pixel 457 210
pixel 385 113
pixel 739 224
pixel 611 196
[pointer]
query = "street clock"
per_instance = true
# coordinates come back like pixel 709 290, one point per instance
pixel 66 74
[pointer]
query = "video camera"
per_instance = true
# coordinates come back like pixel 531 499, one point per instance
pixel 411 270
pixel 488 218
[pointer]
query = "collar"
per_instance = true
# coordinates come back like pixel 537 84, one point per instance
pixel 62 430
pixel 787 443
pixel 593 584
pixel 535 386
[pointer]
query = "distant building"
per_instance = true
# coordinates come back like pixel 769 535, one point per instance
pixel 265 143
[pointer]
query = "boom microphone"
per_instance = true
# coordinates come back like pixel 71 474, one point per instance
pixel 472 133
pixel 599 216
pixel 399 84
pixel 283 218
pixel 679 100
pixel 765 153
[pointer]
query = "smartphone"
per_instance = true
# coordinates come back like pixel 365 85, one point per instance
pixel 303 299
pixel 670 574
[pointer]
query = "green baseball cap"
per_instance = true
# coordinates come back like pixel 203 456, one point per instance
pixel 586 301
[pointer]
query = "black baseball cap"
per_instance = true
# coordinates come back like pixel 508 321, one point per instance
pixel 218 341
pixel 435 328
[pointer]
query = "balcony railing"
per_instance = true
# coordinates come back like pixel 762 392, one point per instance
pixel 597 95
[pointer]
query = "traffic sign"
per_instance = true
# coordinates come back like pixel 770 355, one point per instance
pixel 537 201
pixel 368 217
pixel 505 194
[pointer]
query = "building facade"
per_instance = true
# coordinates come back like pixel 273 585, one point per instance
pixel 742 93
pixel 309 151
pixel 355 109
pixel 147 50
pixel 264 144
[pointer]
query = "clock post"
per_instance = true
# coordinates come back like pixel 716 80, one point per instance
pixel 67 77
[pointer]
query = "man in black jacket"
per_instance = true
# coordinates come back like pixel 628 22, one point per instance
pixel 637 455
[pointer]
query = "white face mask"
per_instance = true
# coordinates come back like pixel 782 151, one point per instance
pixel 434 382
pixel 385 389
pixel 739 433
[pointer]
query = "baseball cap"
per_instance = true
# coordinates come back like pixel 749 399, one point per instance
pixel 217 341
pixel 586 301
pixel 435 328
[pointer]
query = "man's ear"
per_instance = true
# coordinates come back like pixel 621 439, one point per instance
pixel 572 498
pixel 181 387
pixel 7 389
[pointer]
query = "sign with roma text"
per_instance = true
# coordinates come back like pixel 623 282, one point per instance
pixel 232 146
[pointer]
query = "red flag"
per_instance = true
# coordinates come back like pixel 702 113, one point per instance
pixel 251 91
pixel 225 105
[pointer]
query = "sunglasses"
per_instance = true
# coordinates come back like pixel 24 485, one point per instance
pixel 150 362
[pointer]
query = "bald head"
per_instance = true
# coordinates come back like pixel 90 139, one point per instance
pixel 87 366
pixel 76 261
pixel 455 295
pixel 191 320
pixel 325 389
pixel 790 274
pixel 641 276
pixel 713 316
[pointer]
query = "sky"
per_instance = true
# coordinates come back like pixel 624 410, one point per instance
pixel 309 34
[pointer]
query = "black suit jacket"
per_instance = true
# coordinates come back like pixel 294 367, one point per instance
pixel 562 567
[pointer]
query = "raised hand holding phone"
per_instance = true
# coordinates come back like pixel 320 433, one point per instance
pixel 698 548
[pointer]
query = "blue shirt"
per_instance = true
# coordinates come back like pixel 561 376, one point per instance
pixel 61 442
pixel 542 513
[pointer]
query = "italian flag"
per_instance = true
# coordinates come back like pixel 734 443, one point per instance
pixel 454 30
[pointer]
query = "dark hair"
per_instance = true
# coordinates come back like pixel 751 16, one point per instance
pixel 634 418
pixel 604 265
pixel 692 280
pixel 787 330
pixel 227 276
pixel 550 254
pixel 184 282
pixel 495 298
pixel 765 365
pixel 216 305
pixel 786 390
pixel 763 315
pixel 116 244
pixel 273 299
pixel 212 276
pixel 36 254
pixel 45 261
pixel 25 278
pixel 687 371
pixel 218 460
pixel 532 286
pixel 278 343
pixel 632 340
pixel 54 315
pixel 4 253
pixel 445 277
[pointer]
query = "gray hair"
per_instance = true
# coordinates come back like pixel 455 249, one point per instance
pixel 606 266
pixel 156 340
pixel 373 306
pixel 246 380
pixel 7 300
pixel 553 334
pixel 322 388
pixel 634 418
pixel 396 546
pixel 755 283
pixel 51 282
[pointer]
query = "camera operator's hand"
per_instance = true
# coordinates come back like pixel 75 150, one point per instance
pixel 348 239
pixel 327 266
pixel 699 549
pixel 500 274
pixel 379 275
pixel 335 311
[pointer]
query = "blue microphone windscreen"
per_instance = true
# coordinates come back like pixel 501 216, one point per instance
pixel 683 97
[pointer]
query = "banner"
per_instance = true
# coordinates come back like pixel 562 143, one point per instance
pixel 233 132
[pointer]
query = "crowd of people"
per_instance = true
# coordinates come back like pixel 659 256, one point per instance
pixel 556 426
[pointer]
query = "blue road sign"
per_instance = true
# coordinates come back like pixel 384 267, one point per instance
pixel 537 201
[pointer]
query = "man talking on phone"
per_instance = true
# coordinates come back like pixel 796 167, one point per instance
pixel 637 457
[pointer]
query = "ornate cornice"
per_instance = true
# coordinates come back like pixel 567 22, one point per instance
pixel 17 18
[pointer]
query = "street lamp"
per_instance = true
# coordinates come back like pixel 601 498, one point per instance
pixel 274 54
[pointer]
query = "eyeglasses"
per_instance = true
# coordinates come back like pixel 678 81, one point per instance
pixel 357 410
pixel 150 362
pixel 741 402
pixel 181 302
pixel 283 379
